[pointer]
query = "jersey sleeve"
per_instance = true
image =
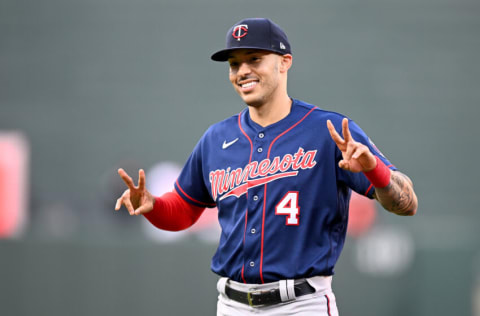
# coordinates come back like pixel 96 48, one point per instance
pixel 358 181
pixel 190 184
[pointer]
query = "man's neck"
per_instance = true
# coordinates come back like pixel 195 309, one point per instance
pixel 271 112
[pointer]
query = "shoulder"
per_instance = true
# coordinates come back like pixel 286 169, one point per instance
pixel 219 131
pixel 318 114
pixel 317 117
pixel 224 125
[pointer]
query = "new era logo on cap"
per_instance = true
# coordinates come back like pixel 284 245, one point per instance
pixel 254 33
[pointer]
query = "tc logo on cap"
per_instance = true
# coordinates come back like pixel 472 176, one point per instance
pixel 240 31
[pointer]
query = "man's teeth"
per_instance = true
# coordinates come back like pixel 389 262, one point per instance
pixel 248 85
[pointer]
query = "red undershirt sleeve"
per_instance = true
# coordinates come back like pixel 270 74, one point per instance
pixel 171 212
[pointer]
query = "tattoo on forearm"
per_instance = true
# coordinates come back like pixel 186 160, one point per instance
pixel 398 197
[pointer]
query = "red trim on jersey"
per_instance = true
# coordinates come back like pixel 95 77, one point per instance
pixel 368 190
pixel 246 211
pixel 251 144
pixel 245 229
pixel 244 235
pixel 263 229
pixel 265 190
pixel 192 199
pixel 291 127
pixel 328 306
pixel 243 276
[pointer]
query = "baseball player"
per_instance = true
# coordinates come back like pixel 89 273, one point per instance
pixel 280 173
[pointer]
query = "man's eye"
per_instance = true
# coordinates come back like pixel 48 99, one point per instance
pixel 233 65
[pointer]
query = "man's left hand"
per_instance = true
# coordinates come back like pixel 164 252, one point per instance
pixel 356 156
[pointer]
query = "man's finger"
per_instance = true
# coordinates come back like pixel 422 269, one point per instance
pixel 141 180
pixel 344 165
pixel 347 154
pixel 128 204
pixel 126 194
pixel 145 208
pixel 118 204
pixel 346 131
pixel 126 178
pixel 360 150
pixel 333 133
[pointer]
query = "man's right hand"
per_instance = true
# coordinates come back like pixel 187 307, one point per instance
pixel 136 199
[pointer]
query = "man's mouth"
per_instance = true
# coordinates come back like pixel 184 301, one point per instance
pixel 248 86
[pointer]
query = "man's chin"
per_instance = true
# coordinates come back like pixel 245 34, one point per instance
pixel 252 101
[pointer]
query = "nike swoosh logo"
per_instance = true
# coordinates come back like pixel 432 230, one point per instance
pixel 225 145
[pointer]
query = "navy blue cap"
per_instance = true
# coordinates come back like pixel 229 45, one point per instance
pixel 254 33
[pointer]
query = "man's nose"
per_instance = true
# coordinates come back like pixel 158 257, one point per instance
pixel 244 69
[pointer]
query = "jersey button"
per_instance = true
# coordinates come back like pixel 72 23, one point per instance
pixel 259 149
pixel 253 231
pixel 252 264
pixel 255 197
pixel 261 135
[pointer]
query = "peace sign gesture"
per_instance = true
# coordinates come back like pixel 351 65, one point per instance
pixel 136 199
pixel 356 156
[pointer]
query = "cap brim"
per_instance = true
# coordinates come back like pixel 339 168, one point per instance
pixel 222 55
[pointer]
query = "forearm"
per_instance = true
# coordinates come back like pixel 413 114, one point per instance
pixel 171 212
pixel 398 196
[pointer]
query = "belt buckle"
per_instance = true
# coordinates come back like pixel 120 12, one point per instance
pixel 250 298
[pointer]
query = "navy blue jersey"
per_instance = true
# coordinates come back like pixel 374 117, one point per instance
pixel 282 199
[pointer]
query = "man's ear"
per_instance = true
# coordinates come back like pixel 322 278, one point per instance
pixel 285 62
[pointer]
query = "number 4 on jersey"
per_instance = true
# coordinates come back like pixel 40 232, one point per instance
pixel 289 206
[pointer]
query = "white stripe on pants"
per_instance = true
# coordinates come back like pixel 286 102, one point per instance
pixel 320 303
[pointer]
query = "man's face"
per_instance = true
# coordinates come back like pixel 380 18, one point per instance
pixel 254 74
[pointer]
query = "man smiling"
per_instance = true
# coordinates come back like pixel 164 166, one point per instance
pixel 281 176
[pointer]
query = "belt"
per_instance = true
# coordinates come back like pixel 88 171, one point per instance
pixel 266 297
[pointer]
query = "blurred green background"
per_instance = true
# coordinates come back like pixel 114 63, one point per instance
pixel 94 85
